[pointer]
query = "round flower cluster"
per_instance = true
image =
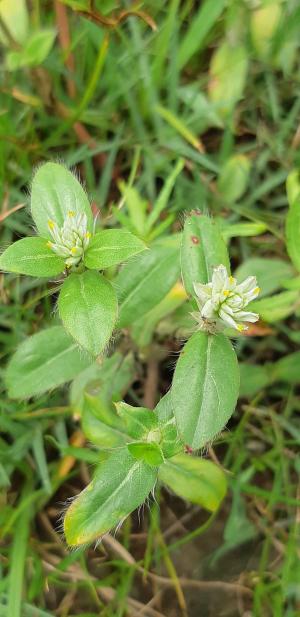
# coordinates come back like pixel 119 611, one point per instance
pixel 222 302
pixel 72 239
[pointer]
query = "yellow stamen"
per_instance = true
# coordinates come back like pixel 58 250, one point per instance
pixel 51 224
pixel 88 234
pixel 49 244
pixel 226 292
pixel 257 290
pixel 240 328
pixel 231 280
pixel 73 250
pixel 71 213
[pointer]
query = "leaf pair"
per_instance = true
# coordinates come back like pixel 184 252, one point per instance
pixel 32 256
pixel 122 483
pixel 125 480
pixel 87 304
pixel 147 435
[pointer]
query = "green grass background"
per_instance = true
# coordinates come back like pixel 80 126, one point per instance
pixel 127 101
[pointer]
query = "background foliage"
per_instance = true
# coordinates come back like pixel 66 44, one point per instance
pixel 203 99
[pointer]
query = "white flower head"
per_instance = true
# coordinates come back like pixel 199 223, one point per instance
pixel 222 302
pixel 72 239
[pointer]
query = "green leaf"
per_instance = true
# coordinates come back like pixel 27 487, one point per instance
pixel 228 65
pixel 263 23
pixel 120 485
pixel 179 126
pixel 162 200
pixel 292 231
pixel 170 442
pixel 254 378
pixel 110 247
pixel 195 479
pixel 55 192
pixel 139 421
pixel 33 257
pixel 287 369
pixel 40 458
pixel 164 409
pixel 205 387
pixel 136 207
pixel 233 178
pixel 144 283
pixel 201 24
pixel 88 308
pixel 242 230
pixel 110 379
pixel 270 273
pixel 276 307
pixel 143 329
pixel 44 361
pixel 101 425
pixel 34 52
pixel 293 186
pixel 87 378
pixel 202 249
pixel 38 46
pixel 15 18
pixel 150 453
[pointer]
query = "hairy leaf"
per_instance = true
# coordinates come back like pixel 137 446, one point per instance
pixel 109 379
pixel 202 249
pixel 55 192
pixel 88 308
pixel 170 443
pixel 110 247
pixel 138 420
pixel 101 425
pixel 31 256
pixel 144 283
pixel 44 361
pixel 195 479
pixel 150 453
pixel 120 485
pixel 205 387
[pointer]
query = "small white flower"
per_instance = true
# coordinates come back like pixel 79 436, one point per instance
pixel 222 302
pixel 72 239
